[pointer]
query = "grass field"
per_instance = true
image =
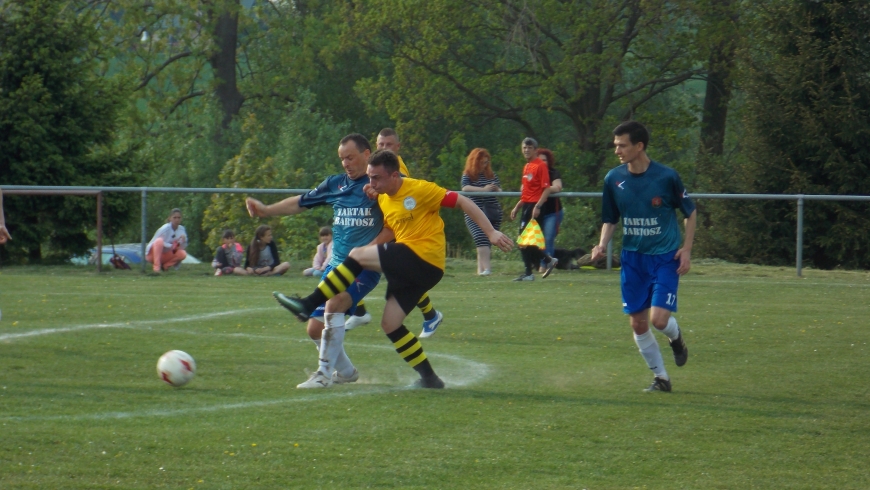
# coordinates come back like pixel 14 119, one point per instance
pixel 544 386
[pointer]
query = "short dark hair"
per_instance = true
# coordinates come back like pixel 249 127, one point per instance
pixel 362 143
pixel 530 142
pixel 637 132
pixel 325 231
pixel 386 159
pixel 228 234
pixel 387 132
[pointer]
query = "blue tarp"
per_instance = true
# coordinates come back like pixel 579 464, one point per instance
pixel 130 252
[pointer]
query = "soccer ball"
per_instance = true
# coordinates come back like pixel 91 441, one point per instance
pixel 176 368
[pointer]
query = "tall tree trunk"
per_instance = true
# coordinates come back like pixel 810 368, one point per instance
pixel 724 19
pixel 716 100
pixel 223 63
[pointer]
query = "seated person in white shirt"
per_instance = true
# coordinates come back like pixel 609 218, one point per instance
pixel 166 249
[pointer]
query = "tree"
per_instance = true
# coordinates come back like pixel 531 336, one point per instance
pixel 567 71
pixel 721 27
pixel 57 121
pixel 807 121
pixel 298 153
pixel 194 69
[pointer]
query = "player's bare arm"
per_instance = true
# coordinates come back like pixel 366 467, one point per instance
pixel 600 250
pixel 286 207
pixel 684 255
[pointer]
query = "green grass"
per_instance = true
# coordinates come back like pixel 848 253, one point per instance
pixel 544 386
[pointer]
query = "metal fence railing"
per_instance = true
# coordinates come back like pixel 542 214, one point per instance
pixel 800 200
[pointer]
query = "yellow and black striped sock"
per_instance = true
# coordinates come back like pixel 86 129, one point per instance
pixel 360 308
pixel 426 308
pixel 337 281
pixel 411 350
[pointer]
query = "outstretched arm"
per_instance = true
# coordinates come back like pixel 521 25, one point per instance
pixel 286 207
pixel 497 238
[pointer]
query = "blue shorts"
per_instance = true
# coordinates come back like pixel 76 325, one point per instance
pixel 649 280
pixel 362 286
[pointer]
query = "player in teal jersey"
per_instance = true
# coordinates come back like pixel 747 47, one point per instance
pixel 357 222
pixel 644 195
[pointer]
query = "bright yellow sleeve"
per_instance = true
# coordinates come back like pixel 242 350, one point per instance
pixel 403 169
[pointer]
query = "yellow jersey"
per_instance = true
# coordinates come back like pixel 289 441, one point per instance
pixel 413 216
pixel 403 169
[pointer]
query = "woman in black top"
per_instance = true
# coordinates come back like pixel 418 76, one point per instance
pixel 552 212
pixel 262 254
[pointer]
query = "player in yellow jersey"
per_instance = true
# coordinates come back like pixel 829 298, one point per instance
pixel 413 264
pixel 388 139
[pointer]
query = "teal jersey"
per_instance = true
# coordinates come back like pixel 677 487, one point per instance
pixel 357 220
pixel 646 206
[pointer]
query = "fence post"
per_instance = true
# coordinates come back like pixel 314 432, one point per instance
pixel 800 233
pixel 144 227
pixel 100 231
pixel 610 255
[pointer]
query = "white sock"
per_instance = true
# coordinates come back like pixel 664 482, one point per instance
pixel 343 364
pixel 332 342
pixel 649 349
pixel 671 330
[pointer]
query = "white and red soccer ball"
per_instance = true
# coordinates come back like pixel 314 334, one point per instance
pixel 176 368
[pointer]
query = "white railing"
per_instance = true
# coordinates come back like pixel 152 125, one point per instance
pixel 800 199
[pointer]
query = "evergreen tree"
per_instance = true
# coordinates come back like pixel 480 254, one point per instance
pixel 57 122
pixel 807 124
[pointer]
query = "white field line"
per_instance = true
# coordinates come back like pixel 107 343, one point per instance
pixel 202 409
pixel 761 281
pixel 131 324
pixel 458 372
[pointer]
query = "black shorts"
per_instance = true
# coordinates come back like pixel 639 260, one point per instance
pixel 526 215
pixel 408 276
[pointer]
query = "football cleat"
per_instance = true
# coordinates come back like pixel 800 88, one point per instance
pixel 293 304
pixel 429 326
pixel 681 352
pixel 316 380
pixel 429 382
pixel 338 379
pixel 659 384
pixel 357 321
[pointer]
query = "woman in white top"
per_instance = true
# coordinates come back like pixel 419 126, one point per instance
pixel 166 249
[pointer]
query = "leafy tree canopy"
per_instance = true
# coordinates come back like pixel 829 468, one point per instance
pixel 57 126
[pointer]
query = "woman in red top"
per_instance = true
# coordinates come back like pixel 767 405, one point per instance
pixel 535 189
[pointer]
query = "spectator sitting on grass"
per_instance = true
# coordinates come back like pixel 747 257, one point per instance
pixel 323 254
pixel 263 255
pixel 166 248
pixel 228 257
